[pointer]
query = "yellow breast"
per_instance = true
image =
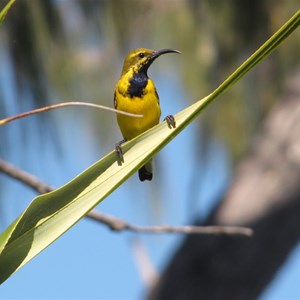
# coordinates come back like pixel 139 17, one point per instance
pixel 147 105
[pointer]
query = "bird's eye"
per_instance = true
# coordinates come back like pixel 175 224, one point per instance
pixel 141 54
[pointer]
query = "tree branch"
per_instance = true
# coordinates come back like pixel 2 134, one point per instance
pixel 117 224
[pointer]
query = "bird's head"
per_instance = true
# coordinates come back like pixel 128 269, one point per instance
pixel 141 59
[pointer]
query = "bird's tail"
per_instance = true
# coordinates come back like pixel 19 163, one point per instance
pixel 145 172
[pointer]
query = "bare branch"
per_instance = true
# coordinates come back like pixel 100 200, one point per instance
pixel 117 224
pixel 24 177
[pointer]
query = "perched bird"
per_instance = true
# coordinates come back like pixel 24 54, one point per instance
pixel 136 93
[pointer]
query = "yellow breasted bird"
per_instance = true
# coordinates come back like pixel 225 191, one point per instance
pixel 136 93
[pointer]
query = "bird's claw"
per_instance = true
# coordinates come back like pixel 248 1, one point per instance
pixel 119 152
pixel 170 121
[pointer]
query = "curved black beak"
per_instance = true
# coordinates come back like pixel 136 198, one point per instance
pixel 163 51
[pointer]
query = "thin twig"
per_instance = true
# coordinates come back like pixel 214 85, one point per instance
pixel 64 104
pixel 117 224
pixel 146 268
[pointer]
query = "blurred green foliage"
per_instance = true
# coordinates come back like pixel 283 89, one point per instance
pixel 73 50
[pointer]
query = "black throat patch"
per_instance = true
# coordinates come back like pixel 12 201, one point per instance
pixel 137 84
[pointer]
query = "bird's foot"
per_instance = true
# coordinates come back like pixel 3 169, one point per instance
pixel 170 121
pixel 119 152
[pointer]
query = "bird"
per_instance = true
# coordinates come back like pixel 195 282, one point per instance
pixel 136 93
